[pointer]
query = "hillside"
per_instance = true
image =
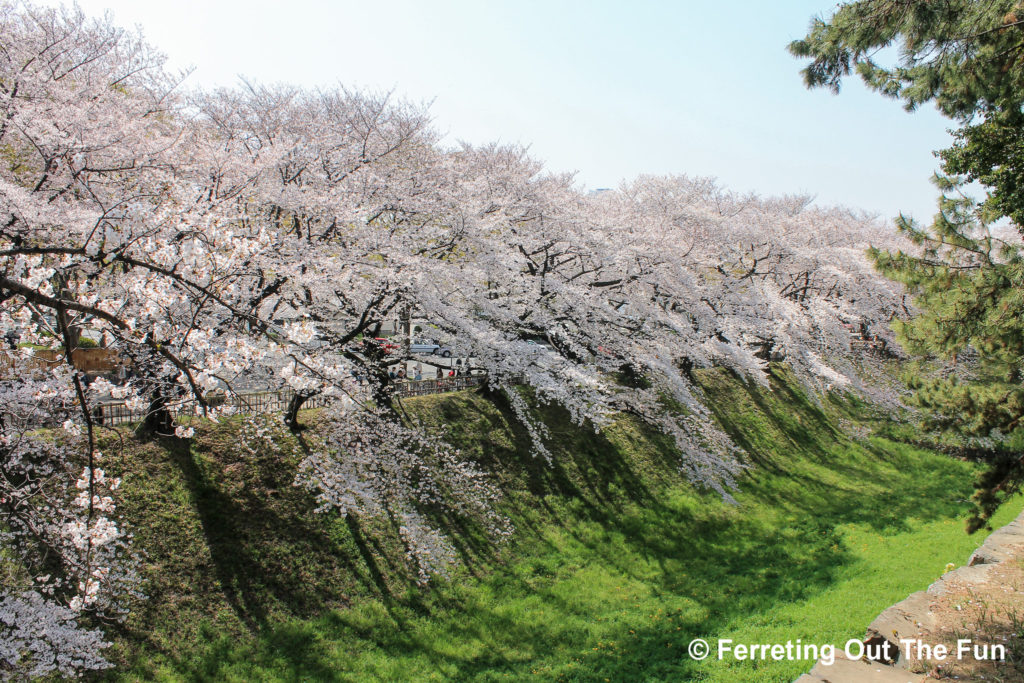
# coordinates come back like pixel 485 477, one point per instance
pixel 616 564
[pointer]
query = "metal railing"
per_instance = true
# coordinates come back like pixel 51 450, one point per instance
pixel 425 387
pixel 251 402
pixel 274 401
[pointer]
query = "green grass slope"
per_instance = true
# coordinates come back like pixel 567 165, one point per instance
pixel 616 565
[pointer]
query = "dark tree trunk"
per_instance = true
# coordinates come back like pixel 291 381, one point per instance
pixel 158 420
pixel 291 415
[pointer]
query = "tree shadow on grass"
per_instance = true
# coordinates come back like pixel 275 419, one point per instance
pixel 728 566
pixel 599 509
pixel 270 552
pixel 783 429
pixel 227 533
pixel 291 651
pixel 711 570
pixel 808 465
pixel 586 466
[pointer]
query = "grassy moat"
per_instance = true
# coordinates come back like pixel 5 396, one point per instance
pixel 616 565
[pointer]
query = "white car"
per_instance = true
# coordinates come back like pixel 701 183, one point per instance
pixel 420 346
pixel 539 345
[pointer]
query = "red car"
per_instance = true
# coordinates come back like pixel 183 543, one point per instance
pixel 385 345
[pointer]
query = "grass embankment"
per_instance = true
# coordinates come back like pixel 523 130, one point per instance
pixel 616 565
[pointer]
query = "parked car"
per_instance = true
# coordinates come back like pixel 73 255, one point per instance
pixel 423 346
pixel 385 345
pixel 539 345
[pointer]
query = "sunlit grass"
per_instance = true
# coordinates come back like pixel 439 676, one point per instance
pixel 617 564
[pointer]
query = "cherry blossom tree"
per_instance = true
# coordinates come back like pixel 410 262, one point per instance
pixel 84 126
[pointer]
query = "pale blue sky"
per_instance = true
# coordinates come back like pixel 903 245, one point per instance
pixel 607 89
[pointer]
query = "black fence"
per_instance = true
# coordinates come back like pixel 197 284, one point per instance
pixel 425 387
pixel 252 402
pixel 275 401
